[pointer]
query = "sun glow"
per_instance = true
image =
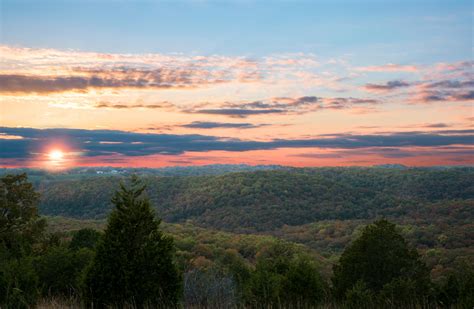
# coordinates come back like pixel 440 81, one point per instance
pixel 56 155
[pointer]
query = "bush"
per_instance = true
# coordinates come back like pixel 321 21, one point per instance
pixel 18 283
pixel 59 270
pixel 284 276
pixel 209 288
pixel 84 238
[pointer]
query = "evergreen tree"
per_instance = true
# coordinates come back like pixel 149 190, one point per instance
pixel 134 260
pixel 383 262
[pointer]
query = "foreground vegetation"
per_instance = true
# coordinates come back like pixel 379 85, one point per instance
pixel 130 260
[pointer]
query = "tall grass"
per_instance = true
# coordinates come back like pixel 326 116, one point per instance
pixel 75 303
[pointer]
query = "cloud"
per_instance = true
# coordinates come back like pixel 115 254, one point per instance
pixel 427 96
pixel 277 102
pixel 280 105
pixel 26 71
pixel 463 96
pixel 125 78
pixel 430 91
pixel 344 103
pixel 160 105
pixel 43 71
pixel 451 84
pixel 393 152
pixel 456 66
pixel 436 125
pixel 238 112
pixel 455 90
pixel 293 60
pixel 241 109
pixel 225 125
pixel 94 143
pixel 389 67
pixel 390 85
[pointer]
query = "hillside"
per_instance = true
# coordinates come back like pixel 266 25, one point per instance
pixel 268 200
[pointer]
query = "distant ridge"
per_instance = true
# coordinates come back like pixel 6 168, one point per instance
pixel 200 170
pixel 397 166
pixel 211 169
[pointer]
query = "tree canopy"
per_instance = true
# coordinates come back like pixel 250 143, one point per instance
pixel 135 263
pixel 20 223
pixel 20 229
pixel 381 260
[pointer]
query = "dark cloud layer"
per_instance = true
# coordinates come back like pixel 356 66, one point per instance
pixel 106 142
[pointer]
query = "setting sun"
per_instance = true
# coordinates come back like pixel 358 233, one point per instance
pixel 56 155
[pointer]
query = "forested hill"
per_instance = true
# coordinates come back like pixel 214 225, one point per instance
pixel 269 200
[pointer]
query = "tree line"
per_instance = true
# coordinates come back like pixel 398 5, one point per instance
pixel 133 263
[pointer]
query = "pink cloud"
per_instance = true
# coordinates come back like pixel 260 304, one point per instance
pixel 389 67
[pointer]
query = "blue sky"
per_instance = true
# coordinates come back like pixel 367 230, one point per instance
pixel 400 31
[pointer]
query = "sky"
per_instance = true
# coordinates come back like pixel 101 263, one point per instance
pixel 298 83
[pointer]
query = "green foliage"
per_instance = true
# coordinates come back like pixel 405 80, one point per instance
pixel 59 270
pixel 20 228
pixel 283 276
pixel 84 238
pixel 209 288
pixel 324 209
pixel 20 224
pixel 303 282
pixel 359 296
pixel 458 288
pixel 382 261
pixel 18 282
pixel 267 200
pixel 233 256
pixel 232 263
pixel 401 291
pixel 134 260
